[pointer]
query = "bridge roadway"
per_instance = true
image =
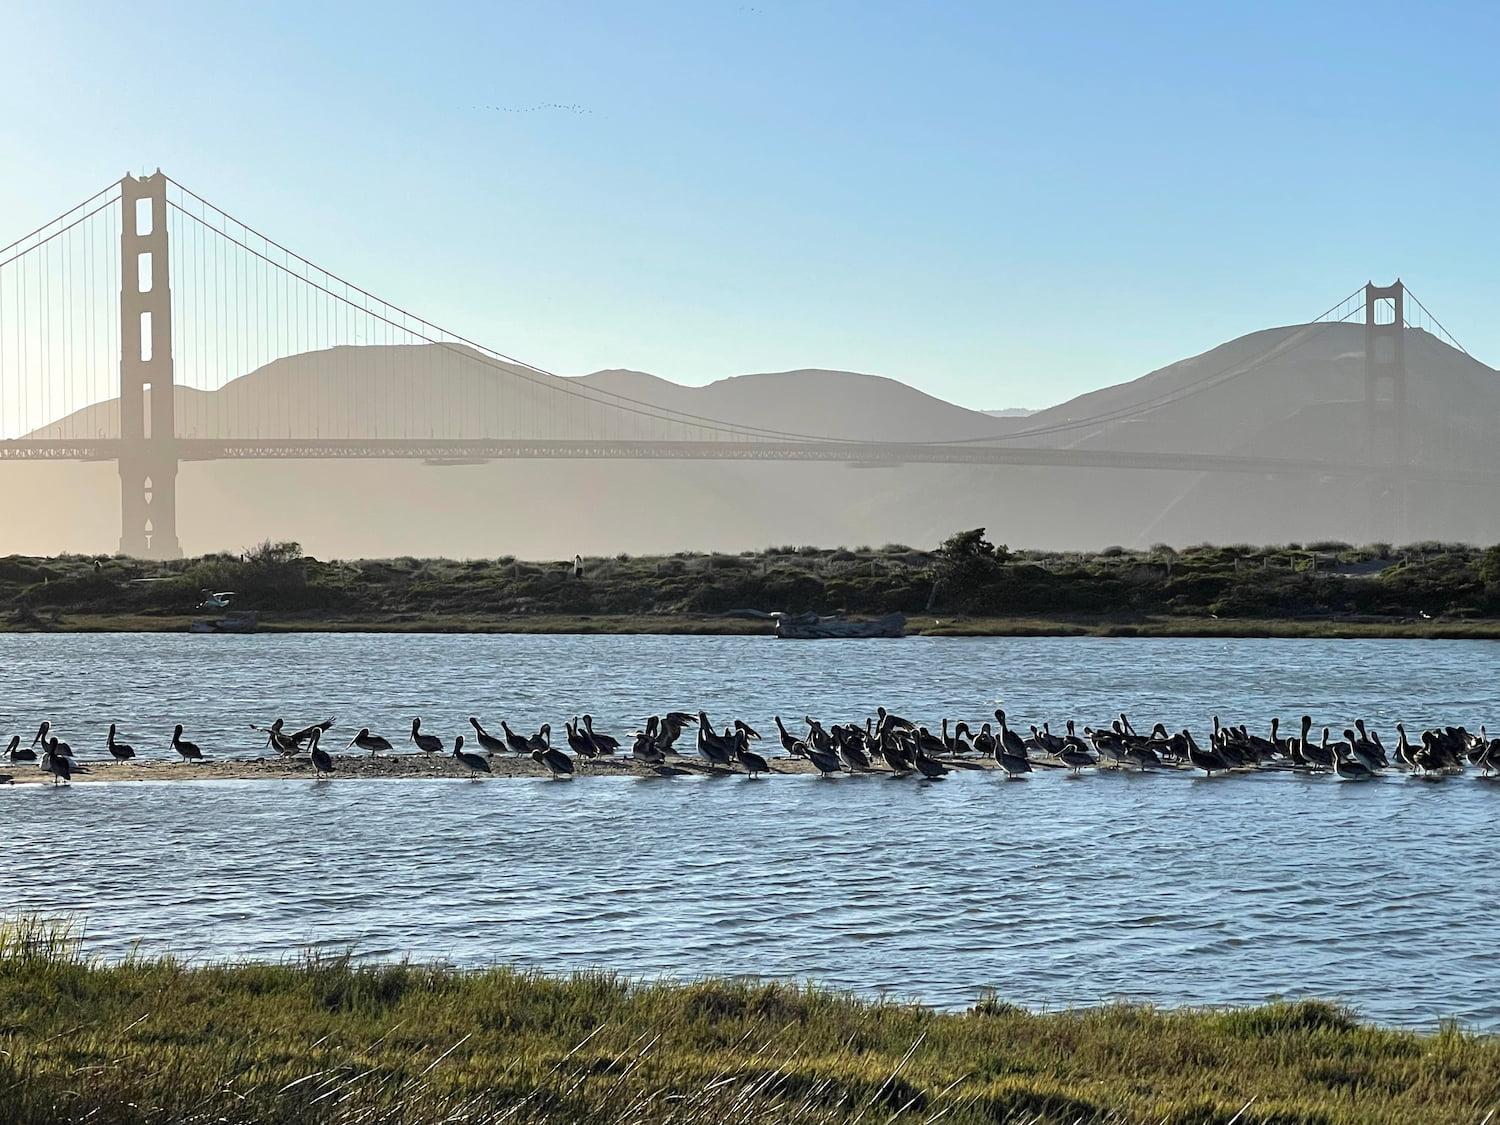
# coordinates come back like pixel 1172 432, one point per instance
pixel 861 453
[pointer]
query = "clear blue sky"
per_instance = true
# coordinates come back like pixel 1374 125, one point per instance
pixel 1001 204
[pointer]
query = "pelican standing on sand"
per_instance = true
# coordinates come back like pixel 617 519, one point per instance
pixel 476 764
pixel 322 761
pixel 119 751
pixel 371 742
pixel 427 743
pixel 487 741
pixel 188 750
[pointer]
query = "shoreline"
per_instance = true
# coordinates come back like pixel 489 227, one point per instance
pixel 416 767
pixel 1329 628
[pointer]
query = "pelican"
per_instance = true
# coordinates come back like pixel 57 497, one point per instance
pixel 278 741
pixel 1209 761
pixel 850 753
pixel 17 754
pixel 487 741
pixel 928 766
pixel 118 750
pixel 1009 740
pixel 322 761
pixel 888 721
pixel 789 742
pixel 63 748
pixel 754 764
pixel 1013 762
pixel 188 750
pixel 427 743
pixel 517 743
pixel 307 732
pixel 826 761
pixel 745 728
pixel 541 740
pixel 579 741
pixel 985 742
pixel 717 749
pixel 475 763
pixel 1076 759
pixel 1351 768
pixel 371 742
pixel 603 743
pixel 558 763
pixel 60 766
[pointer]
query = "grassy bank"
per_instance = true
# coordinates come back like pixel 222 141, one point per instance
pixel 966 586
pixel 329 1041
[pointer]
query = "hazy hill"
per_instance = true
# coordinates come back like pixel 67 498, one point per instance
pixel 1286 391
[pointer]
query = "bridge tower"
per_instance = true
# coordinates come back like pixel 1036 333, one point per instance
pixel 148 452
pixel 1385 407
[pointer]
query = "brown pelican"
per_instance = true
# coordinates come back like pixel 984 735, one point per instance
pixel 487 741
pixel 1009 740
pixel 579 741
pixel 541 740
pixel 307 732
pixel 746 729
pixel 61 767
pixel 789 742
pixel 427 743
pixel 850 752
pixel 671 728
pixel 322 761
pixel 928 766
pixel 1076 759
pixel 1143 756
pixel 118 750
pixel 754 764
pixel 895 754
pixel 63 748
pixel 1013 762
pixel 557 763
pixel 371 742
pixel 1209 761
pixel 518 743
pixel 717 749
pixel 888 721
pixel 1351 768
pixel 825 761
pixel 188 750
pixel 17 754
pixel 475 763
pixel 1363 751
pixel 603 743
pixel 985 742
pixel 279 741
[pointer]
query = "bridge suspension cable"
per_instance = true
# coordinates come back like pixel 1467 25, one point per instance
pixel 400 325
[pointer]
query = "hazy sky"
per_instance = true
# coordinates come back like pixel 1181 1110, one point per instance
pixel 1001 204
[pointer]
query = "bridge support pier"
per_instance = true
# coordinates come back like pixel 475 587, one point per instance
pixel 1385 409
pixel 148 461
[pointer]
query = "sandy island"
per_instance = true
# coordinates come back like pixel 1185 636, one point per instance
pixel 417 767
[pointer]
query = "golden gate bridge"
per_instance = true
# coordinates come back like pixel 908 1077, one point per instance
pixel 128 322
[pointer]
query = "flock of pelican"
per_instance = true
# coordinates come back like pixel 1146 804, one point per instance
pixel 885 742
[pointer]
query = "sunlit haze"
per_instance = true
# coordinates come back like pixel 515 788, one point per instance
pixel 993 203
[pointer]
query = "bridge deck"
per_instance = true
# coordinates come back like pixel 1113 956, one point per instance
pixel 873 453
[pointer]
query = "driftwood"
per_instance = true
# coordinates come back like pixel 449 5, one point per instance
pixel 811 627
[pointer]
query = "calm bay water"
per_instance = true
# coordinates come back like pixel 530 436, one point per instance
pixel 1168 888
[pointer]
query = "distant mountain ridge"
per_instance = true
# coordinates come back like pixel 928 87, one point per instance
pixel 1294 391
